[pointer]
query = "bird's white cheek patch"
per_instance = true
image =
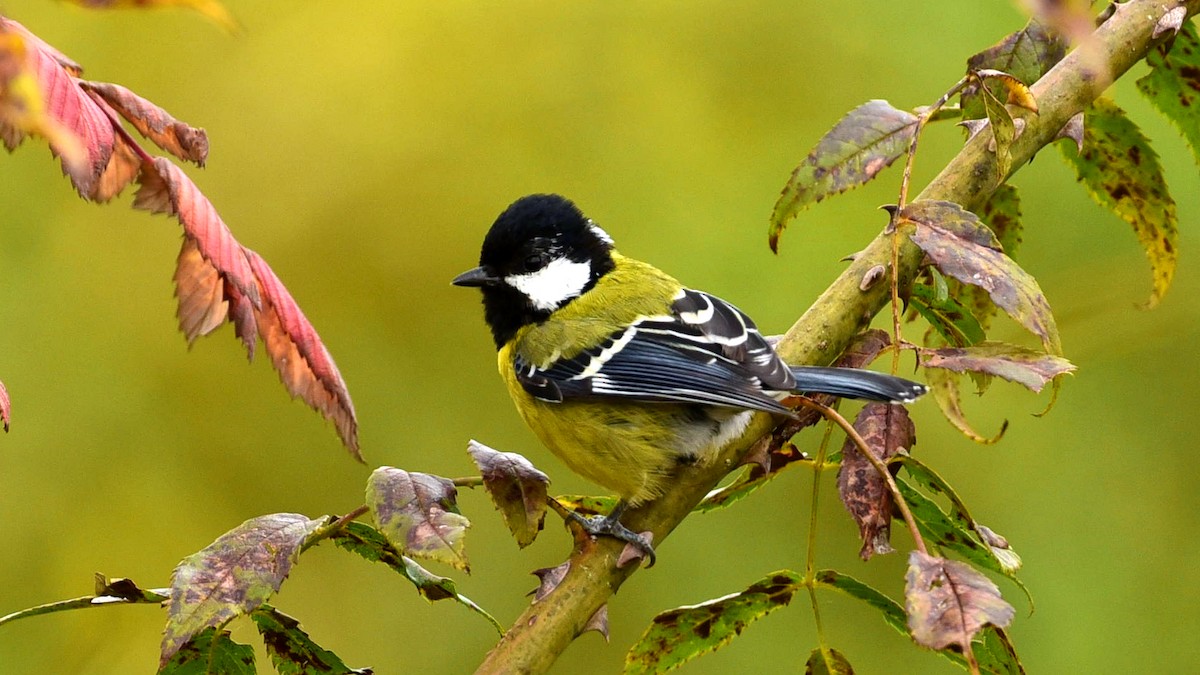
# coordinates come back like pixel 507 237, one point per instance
pixel 554 284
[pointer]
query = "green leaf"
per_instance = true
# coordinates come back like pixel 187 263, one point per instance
pixel 892 612
pixel 1007 559
pixel 681 634
pixel 1173 84
pixel 116 592
pixel 233 575
pixel 292 651
pixel 418 513
pixel 1026 54
pixel 827 662
pixel 588 505
pixel 950 319
pixel 1121 172
pixel 210 652
pixel 1027 367
pixel 961 247
pixel 996 653
pixel 517 489
pixel 863 143
pixel 370 543
pixel 949 602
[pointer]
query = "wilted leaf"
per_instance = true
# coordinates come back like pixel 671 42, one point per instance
pixel 299 356
pixel 1173 84
pixel 832 662
pixel 369 543
pixel 418 514
pixel 963 248
pixel 1001 213
pixel 1121 172
pixel 5 406
pixel 292 651
pixel 948 602
pixel 1026 55
pixel 863 143
pixel 182 140
pixel 944 385
pixel 887 429
pixel 1027 367
pixel 235 574
pixel 211 9
pixel 61 109
pixel 1004 131
pixel 950 319
pixel 681 634
pixel 211 652
pixel 517 489
pixel 164 188
pixel 1018 94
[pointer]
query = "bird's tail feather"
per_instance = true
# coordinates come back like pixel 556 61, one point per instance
pixel 855 383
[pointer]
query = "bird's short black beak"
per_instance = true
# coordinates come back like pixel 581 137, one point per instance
pixel 479 276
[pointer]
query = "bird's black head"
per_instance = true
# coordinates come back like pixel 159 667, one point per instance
pixel 540 254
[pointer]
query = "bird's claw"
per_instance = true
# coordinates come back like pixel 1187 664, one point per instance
pixel 608 526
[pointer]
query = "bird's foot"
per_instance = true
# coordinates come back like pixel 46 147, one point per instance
pixel 610 526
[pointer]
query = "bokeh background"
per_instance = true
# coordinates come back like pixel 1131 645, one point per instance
pixel 363 149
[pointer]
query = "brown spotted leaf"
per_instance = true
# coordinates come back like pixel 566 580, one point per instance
pixel 418 514
pixel 107 161
pixel 1173 84
pixel 1001 213
pixel 182 140
pixel 827 662
pixel 963 248
pixel 679 635
pixel 949 602
pixel 1121 172
pixel 887 429
pixel 517 489
pixel 235 574
pixel 1026 55
pixel 1027 367
pixel 863 143
pixel 298 354
pixel 292 651
pixel 211 652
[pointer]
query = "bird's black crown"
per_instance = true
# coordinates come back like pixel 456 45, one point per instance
pixel 529 235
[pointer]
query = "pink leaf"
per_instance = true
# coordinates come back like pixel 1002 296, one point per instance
pixel 304 365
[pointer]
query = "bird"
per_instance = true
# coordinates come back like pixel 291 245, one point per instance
pixel 622 371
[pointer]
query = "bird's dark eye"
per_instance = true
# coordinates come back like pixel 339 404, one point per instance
pixel 535 261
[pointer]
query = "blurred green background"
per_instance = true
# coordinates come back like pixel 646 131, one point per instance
pixel 364 148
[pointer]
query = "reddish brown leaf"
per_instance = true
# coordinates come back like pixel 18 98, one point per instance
pixel 203 305
pixel 517 489
pixel 1027 367
pixel 418 514
pixel 182 140
pixel 887 429
pixel 109 162
pixel 304 365
pixel 5 406
pixel 949 602
pixel 165 188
